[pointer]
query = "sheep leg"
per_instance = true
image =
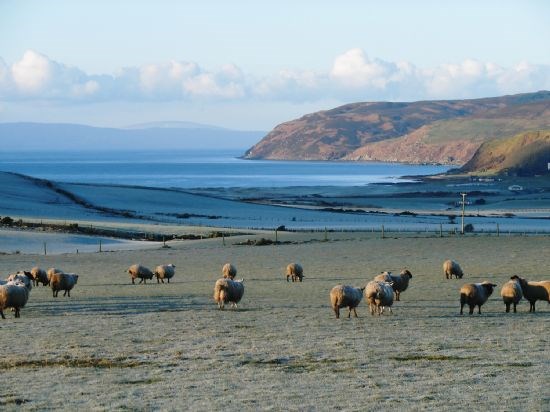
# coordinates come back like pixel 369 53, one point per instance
pixel 133 283
pixel 337 312
pixel 168 280
pixel 141 280
pixel 479 309
pixel 397 293
pixel 17 314
pixel 287 276
pixel 508 307
pixel 2 313
pixel 158 279
pixel 532 306
pixel 514 307
pixel 355 312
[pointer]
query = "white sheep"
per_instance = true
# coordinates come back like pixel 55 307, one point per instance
pixel 228 291
pixel 511 294
pixel 533 291
pixel 229 271
pixel 379 295
pixel 23 277
pixel 475 294
pixel 140 271
pixel 342 296
pixel 63 281
pixel 400 282
pixel 450 268
pixel 14 294
pixel 165 272
pixel 295 272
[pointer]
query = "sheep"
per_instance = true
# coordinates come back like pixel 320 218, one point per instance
pixel 379 295
pixel 165 272
pixel 400 282
pixel 450 268
pixel 23 277
pixel 475 294
pixel 511 293
pixel 63 281
pixel 52 271
pixel 229 271
pixel 228 290
pixel 295 272
pixel 14 294
pixel 533 291
pixel 140 271
pixel 39 276
pixel 344 295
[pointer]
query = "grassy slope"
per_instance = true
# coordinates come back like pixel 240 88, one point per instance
pixel 117 346
pixel 526 154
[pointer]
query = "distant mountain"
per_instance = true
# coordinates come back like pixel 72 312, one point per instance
pixel 444 131
pixel 173 125
pixel 52 136
pixel 526 154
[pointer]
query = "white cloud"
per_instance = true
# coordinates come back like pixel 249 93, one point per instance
pixel 32 73
pixel 353 76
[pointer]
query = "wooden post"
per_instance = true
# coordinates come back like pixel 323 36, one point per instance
pixel 163 241
pixel 45 252
pixel 100 246
pixel 440 230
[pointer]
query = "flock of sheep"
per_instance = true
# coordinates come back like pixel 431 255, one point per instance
pixel 379 293
pixel 15 290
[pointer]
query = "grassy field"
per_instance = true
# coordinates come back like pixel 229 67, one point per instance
pixel 117 346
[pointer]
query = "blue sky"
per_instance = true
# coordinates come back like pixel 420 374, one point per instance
pixel 253 64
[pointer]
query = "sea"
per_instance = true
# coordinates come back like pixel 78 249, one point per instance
pixel 202 169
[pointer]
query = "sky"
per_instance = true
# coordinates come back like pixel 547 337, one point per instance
pixel 250 65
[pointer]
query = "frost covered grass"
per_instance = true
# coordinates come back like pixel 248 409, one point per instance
pixel 114 345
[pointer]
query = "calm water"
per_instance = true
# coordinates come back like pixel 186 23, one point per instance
pixel 189 169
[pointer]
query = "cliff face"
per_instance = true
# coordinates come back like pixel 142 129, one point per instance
pixel 419 132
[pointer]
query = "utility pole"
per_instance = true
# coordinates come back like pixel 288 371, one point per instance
pixel 463 205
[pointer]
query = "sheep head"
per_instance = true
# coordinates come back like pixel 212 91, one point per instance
pixel 488 287
pixel 406 272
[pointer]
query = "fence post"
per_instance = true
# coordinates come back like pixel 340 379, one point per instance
pixel 100 246
pixel 45 252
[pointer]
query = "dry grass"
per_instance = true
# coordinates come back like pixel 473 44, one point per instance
pixel 119 346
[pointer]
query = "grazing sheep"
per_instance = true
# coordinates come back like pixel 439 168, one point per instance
pixel 63 281
pixel 39 276
pixel 14 294
pixel 533 291
pixel 475 294
pixel 342 296
pixel 511 294
pixel 450 268
pixel 379 295
pixel 23 277
pixel 400 282
pixel 140 271
pixel 228 290
pixel 165 272
pixel 229 271
pixel 294 271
